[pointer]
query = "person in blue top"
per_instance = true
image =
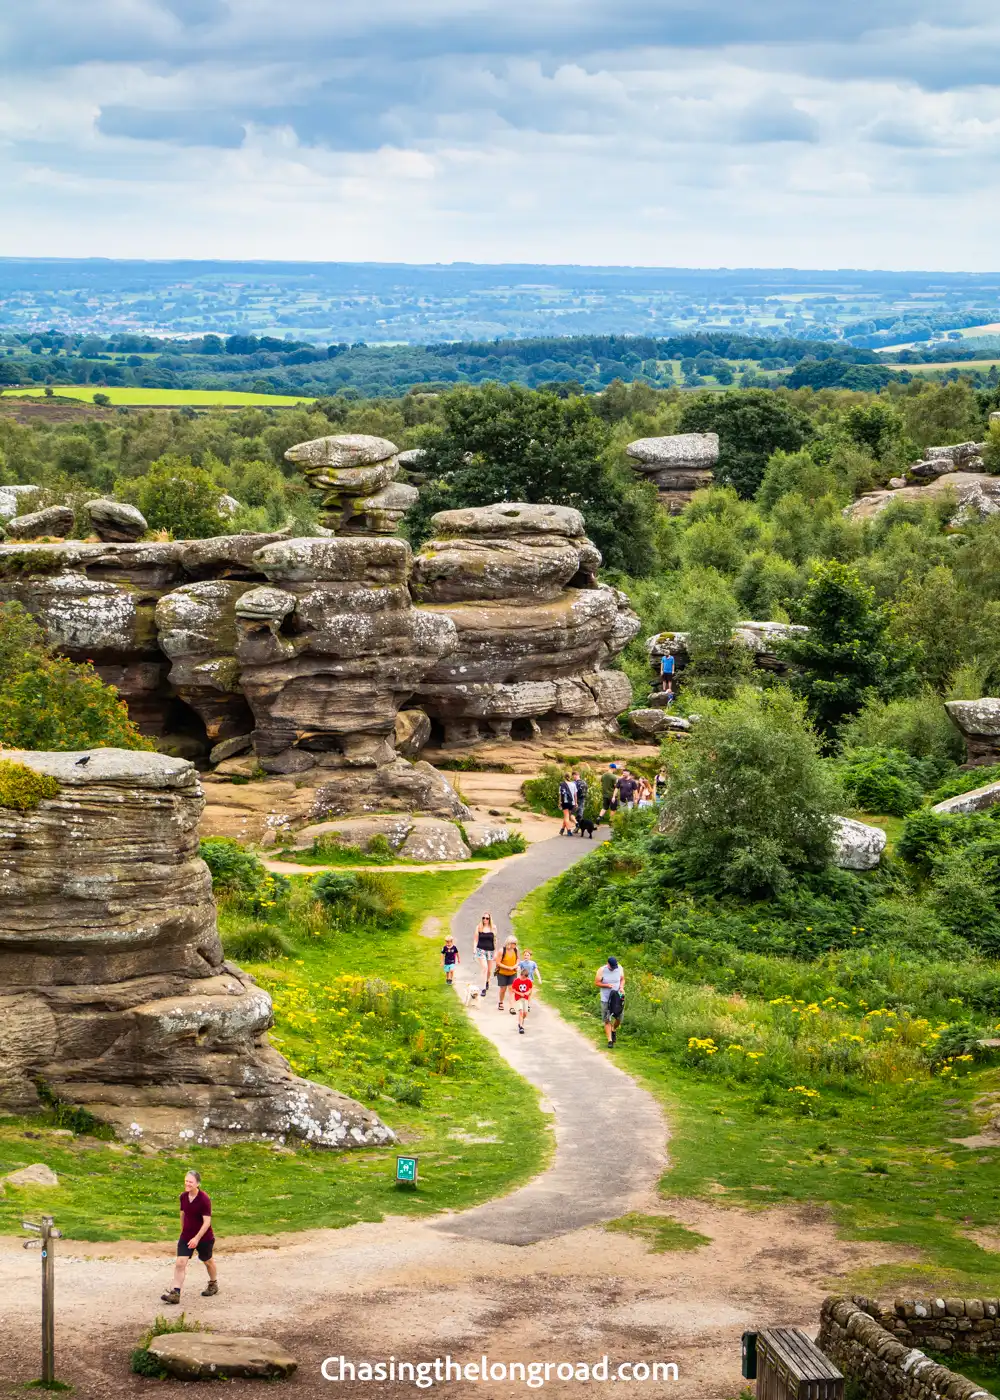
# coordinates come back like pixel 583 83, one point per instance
pixel 666 671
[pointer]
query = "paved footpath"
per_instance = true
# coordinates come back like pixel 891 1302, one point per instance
pixel 610 1133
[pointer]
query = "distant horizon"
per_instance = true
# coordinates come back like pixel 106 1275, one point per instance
pixel 459 264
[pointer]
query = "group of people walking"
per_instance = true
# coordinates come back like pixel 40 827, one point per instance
pixel 621 788
pixel 516 971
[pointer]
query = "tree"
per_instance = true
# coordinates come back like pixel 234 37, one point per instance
pixel 750 796
pixel 507 443
pixel 847 656
pixel 48 702
pixel 174 495
pixel 877 426
pixel 751 425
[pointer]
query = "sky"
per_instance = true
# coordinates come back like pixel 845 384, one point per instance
pixel 697 133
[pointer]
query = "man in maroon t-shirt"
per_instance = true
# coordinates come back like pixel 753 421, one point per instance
pixel 196 1234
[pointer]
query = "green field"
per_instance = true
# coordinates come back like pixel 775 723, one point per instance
pixel 409 1053
pixel 935 367
pixel 164 398
pixel 886 1160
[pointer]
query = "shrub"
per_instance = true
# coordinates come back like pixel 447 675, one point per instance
pixel 174 495
pixel 239 873
pixel 885 780
pixel 366 897
pixel 50 703
pixel 925 835
pixel 965 781
pixel 917 724
pixel 750 797
pixel 22 788
pixel 256 942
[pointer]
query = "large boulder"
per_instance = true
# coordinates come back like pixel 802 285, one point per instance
pixel 209 1356
pixel 114 990
pixel 431 840
pixel 116 521
pixel 510 518
pixel 655 721
pixel 856 845
pixel 53 520
pixel 976 491
pixel 977 800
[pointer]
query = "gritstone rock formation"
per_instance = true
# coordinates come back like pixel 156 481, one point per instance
pixel 357 474
pixel 308 650
pixel 678 465
pixel 979 722
pixel 533 627
pixel 114 992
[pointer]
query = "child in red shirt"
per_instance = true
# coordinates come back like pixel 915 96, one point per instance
pixel 522 987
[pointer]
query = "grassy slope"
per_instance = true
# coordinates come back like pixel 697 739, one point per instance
pixel 108 1191
pixel 167 398
pixel 884 1164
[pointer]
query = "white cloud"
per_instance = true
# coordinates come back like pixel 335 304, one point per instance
pixel 644 131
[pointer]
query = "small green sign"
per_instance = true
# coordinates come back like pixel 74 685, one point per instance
pixel 406 1170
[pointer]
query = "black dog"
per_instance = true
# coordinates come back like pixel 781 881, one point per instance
pixel 585 828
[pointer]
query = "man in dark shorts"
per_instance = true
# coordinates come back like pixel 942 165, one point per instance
pixel 627 789
pixel 196 1234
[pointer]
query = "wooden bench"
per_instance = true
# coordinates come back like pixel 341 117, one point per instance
pixel 790 1366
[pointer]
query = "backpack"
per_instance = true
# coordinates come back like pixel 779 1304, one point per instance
pixel 616 1005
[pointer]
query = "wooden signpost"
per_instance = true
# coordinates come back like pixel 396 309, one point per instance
pixel 47 1233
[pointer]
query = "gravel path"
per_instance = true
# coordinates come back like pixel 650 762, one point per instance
pixel 599 1113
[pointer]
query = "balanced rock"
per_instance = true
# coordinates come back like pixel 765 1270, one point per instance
pixel 203 1356
pixel 114 990
pixel 857 846
pixel 116 521
pixel 979 722
pixel 53 520
pixel 678 465
pixel 357 473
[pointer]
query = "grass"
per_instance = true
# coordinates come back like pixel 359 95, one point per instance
pixel 659 1233
pixel 165 398
pixel 477 1128
pixel 880 1156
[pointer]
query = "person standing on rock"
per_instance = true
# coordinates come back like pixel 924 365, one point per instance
pixel 486 947
pixel 666 672
pixel 507 970
pixel 567 803
pixel 611 981
pixel 196 1234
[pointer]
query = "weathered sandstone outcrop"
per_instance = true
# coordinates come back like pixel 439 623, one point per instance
pixel 357 474
pixel 307 651
pixel 114 991
pixel 533 627
pixel 979 722
pixel 677 465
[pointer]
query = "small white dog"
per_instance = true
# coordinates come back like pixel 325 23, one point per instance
pixel 470 996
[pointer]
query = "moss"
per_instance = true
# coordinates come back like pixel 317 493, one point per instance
pixel 22 788
pixel 24 563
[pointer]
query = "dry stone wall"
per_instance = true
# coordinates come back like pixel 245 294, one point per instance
pixel 880 1348
pixel 114 990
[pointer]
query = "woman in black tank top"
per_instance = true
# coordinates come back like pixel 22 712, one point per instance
pixel 486 947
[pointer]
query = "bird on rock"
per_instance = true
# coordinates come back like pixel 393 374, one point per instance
pixel 82 762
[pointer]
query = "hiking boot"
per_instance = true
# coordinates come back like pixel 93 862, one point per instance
pixel 172 1295
pixel 211 1290
pixel 521 1030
